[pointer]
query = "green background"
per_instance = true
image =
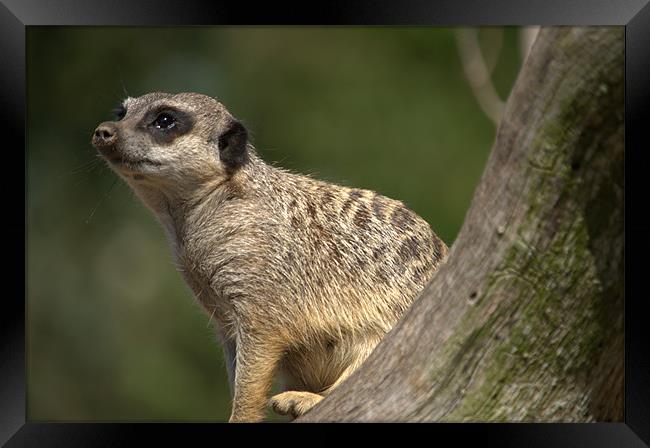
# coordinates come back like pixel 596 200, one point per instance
pixel 113 332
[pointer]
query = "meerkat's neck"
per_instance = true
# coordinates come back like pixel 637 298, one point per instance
pixel 259 179
pixel 173 209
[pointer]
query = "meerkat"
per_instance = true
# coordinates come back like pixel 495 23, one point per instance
pixel 302 277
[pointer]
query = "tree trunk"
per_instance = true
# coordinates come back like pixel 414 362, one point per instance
pixel 524 322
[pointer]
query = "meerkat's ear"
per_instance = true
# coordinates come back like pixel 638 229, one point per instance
pixel 232 146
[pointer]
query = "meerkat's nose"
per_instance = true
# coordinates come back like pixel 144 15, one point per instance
pixel 105 135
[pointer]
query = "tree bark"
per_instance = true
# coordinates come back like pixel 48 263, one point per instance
pixel 524 322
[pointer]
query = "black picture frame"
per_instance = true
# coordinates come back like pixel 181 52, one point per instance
pixel 16 15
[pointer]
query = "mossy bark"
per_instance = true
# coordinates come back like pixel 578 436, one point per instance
pixel 524 322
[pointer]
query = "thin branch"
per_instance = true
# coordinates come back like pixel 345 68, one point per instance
pixel 477 73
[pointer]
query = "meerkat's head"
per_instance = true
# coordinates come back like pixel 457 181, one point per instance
pixel 165 140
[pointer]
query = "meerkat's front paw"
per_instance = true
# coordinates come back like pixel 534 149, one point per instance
pixel 294 403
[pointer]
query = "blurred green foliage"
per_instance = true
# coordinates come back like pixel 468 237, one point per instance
pixel 113 332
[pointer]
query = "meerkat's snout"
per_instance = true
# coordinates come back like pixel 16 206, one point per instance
pixel 105 136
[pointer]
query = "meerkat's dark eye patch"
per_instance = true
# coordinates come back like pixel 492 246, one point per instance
pixel 119 112
pixel 166 123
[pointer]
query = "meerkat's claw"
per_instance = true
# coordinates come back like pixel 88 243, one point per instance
pixel 294 403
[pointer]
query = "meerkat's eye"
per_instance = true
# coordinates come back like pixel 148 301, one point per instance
pixel 164 121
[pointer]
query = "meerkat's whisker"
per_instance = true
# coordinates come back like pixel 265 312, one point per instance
pixel 104 196
pixel 86 166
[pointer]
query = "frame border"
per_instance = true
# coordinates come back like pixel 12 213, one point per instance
pixel 15 15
